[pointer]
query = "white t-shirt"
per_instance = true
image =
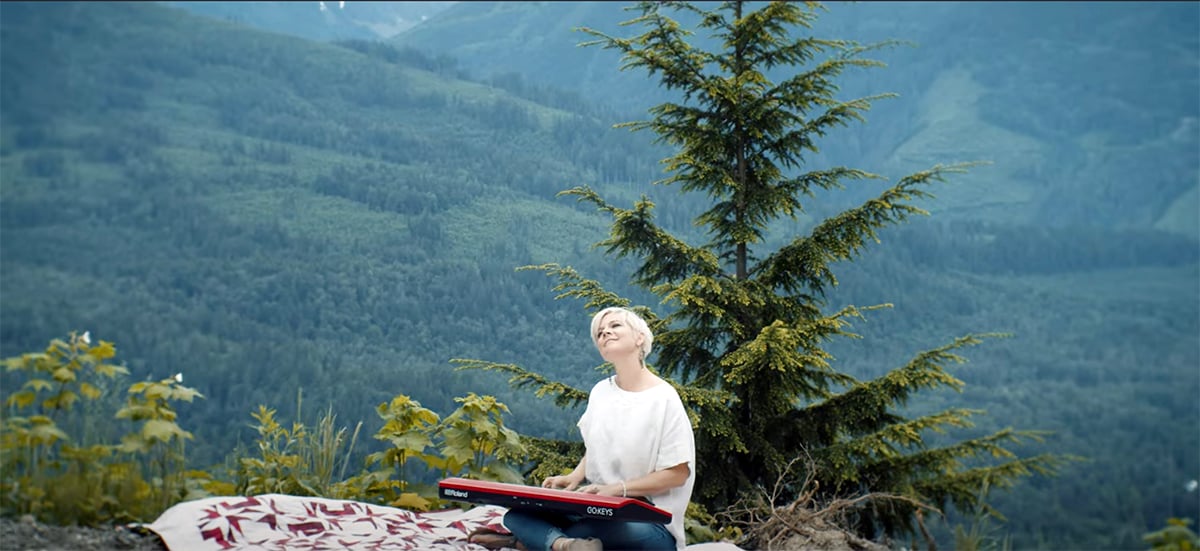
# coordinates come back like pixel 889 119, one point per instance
pixel 631 434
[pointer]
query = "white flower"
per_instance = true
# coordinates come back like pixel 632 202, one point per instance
pixel 86 338
pixel 179 377
pixel 1191 485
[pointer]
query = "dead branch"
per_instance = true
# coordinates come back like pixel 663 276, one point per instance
pixel 804 519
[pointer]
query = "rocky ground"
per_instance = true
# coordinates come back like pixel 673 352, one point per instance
pixel 26 534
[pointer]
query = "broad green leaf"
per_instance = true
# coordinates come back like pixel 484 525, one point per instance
pixel 157 429
pixel 21 400
pixel 64 375
pixel 184 393
pixel 47 433
pixel 135 412
pixel 14 363
pixel 501 472
pixel 436 462
pixel 103 351
pixel 411 442
pixel 376 457
pixel 458 451
pixel 411 501
pixel 484 426
pixel 155 391
pixel 62 400
pixel 38 385
pixel 89 391
pixel 110 371
pixel 132 443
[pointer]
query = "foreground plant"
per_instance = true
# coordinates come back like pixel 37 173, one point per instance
pixel 472 442
pixel 54 460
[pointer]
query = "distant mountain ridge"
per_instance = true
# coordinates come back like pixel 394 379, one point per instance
pixel 323 21
pixel 1088 111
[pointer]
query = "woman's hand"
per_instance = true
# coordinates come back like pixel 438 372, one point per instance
pixel 614 490
pixel 565 482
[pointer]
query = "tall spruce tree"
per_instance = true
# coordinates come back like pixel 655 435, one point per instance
pixel 743 336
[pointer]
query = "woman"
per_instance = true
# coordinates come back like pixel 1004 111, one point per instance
pixel 638 443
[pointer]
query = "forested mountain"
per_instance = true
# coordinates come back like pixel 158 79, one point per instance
pixel 241 201
pixel 322 20
pixel 1087 110
pixel 268 214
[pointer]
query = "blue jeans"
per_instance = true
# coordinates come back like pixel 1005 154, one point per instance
pixel 538 530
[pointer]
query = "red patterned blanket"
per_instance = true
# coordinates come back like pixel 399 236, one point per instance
pixel 284 522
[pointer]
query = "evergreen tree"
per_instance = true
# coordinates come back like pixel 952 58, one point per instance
pixel 744 335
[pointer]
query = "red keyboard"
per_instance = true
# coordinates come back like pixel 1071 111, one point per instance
pixel 519 496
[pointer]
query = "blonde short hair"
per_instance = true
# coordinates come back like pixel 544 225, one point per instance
pixel 635 322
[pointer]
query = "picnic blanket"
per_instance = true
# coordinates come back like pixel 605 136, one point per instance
pixel 284 522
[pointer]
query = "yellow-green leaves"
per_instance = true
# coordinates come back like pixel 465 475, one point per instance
pixel 476 440
pixel 1175 536
pixel 43 471
pixel 470 442
pixel 21 400
pixel 64 375
pixel 89 391
pixel 103 351
pixel 408 429
pixel 412 501
pixel 42 431
pixel 63 372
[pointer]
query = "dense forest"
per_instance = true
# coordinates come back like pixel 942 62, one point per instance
pixel 270 215
pixel 1061 97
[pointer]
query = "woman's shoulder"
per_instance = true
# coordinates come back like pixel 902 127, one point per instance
pixel 666 387
pixel 602 385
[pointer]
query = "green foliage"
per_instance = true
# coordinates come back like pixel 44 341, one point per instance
pixel 63 372
pixel 1175 536
pixel 296 461
pixel 564 395
pixel 47 473
pixel 408 429
pixel 981 535
pixel 472 442
pixel 476 442
pixel 701 526
pixel 160 439
pixel 550 457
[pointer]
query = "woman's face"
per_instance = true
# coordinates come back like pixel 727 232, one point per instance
pixel 616 339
